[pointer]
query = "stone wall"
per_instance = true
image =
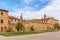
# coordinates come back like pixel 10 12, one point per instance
pixel 38 26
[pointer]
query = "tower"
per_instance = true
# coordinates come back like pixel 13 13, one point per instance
pixel 21 18
pixel 44 16
pixel 3 20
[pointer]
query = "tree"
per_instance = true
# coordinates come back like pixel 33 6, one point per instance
pixel 56 26
pixel 19 26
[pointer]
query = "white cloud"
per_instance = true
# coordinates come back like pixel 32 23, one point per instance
pixel 52 10
pixel 28 1
pixel 17 11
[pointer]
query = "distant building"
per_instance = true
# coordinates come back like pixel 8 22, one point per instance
pixel 40 24
pixel 9 22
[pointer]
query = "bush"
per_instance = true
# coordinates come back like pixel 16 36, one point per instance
pixel 57 26
pixel 8 31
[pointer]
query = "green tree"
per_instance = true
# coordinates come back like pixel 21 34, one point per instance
pixel 32 28
pixel 19 26
pixel 56 26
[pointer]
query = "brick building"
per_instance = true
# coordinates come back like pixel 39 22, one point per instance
pixel 9 22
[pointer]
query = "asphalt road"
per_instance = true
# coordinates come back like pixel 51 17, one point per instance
pixel 41 36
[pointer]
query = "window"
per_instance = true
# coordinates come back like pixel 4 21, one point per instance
pixel 15 20
pixel 5 27
pixel 1 21
pixel 11 20
pixel 1 13
pixel 1 29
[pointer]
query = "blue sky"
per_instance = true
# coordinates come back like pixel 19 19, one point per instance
pixel 34 4
pixel 31 8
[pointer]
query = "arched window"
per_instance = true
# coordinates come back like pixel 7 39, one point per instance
pixel 1 29
pixel 5 27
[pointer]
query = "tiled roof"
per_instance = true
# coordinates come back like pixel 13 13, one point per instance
pixel 12 17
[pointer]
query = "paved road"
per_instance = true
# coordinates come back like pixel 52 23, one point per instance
pixel 42 36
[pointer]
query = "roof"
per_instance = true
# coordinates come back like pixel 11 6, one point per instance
pixel 3 10
pixel 45 19
pixel 12 17
pixel 52 18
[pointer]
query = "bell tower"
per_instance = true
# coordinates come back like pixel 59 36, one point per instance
pixel 21 18
pixel 44 16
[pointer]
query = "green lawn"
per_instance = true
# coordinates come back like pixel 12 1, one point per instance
pixel 24 33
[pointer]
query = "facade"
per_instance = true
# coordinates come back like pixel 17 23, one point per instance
pixel 40 24
pixel 12 22
pixel 9 22
pixel 3 20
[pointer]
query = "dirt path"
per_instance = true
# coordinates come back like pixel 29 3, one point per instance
pixel 42 36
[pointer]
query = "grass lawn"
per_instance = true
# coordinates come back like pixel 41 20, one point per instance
pixel 24 33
